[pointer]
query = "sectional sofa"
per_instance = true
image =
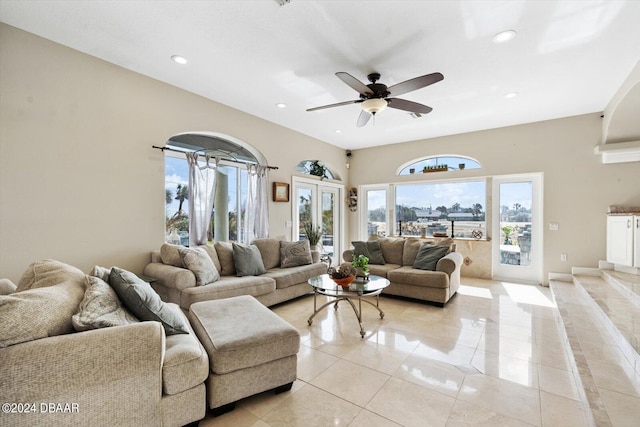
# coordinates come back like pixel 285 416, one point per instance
pixel 57 369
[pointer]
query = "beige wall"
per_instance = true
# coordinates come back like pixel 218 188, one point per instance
pixel 79 181
pixel 578 188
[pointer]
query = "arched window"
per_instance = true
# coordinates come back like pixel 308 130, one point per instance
pixel 440 163
pixel 234 156
pixel 316 168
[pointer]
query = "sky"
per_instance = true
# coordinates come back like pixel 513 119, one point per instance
pixel 466 193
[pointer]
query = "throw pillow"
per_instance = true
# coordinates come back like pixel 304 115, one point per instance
pixel 39 313
pixel 293 254
pixel 371 250
pixel 199 262
pixel 269 251
pixel 7 287
pixel 49 272
pixel 225 256
pixel 428 256
pixel 247 260
pixel 143 302
pixel 101 273
pixel 170 255
pixel 100 308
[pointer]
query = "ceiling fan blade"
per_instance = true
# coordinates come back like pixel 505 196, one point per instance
pixel 354 83
pixel 363 118
pixel 415 84
pixel 413 107
pixel 339 104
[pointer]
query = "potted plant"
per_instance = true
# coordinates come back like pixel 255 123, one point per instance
pixel 360 263
pixel 314 234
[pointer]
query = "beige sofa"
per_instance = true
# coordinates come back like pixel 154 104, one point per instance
pixel 176 283
pixel 130 375
pixel 399 255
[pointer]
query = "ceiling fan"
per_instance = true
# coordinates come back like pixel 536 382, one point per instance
pixel 375 97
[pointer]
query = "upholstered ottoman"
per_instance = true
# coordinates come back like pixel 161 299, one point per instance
pixel 251 349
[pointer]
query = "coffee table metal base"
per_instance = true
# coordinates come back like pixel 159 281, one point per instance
pixel 348 298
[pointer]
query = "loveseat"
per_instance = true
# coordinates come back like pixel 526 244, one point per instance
pixel 277 272
pixel 417 268
pixel 134 374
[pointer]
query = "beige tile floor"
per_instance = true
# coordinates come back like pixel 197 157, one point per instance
pixel 494 356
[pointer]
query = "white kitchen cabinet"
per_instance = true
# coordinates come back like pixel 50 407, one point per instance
pixel 623 240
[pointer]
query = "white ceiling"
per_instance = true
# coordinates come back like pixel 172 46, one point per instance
pixel 568 58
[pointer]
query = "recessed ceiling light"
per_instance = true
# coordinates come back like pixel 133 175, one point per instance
pixel 338 131
pixel 511 95
pixel 281 105
pixel 504 36
pixel 179 59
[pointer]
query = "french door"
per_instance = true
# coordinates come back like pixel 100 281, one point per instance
pixel 320 203
pixel 517 228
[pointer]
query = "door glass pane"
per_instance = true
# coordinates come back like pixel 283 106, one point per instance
pixel 377 212
pixel 328 201
pixel 304 210
pixel 515 223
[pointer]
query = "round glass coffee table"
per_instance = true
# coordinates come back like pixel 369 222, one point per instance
pixel 358 289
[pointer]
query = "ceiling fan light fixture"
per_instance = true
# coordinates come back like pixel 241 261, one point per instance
pixel 374 105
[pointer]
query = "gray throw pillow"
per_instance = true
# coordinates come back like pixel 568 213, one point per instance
pixel 370 249
pixel 199 262
pixel 100 308
pixel 294 254
pixel 143 302
pixel 247 260
pixel 428 256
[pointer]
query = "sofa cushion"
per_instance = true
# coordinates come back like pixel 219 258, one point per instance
pixel 39 313
pixel 143 302
pixel 392 250
pixel 225 255
pixel 286 277
pixel 211 251
pixel 201 265
pixel 186 363
pixel 100 308
pixel 412 276
pixel 410 250
pixel 170 255
pixel 382 270
pixel 241 333
pixel 49 272
pixel 370 249
pixel 247 260
pixel 429 255
pixel 294 254
pixel 269 251
pixel 227 287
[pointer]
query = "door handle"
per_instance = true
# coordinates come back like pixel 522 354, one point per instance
pixel 628 223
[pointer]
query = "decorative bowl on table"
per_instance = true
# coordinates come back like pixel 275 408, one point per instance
pixel 344 282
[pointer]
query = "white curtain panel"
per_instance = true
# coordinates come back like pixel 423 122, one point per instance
pixel 202 184
pixel 257 213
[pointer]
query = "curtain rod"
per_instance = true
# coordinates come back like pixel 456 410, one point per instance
pixel 226 160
